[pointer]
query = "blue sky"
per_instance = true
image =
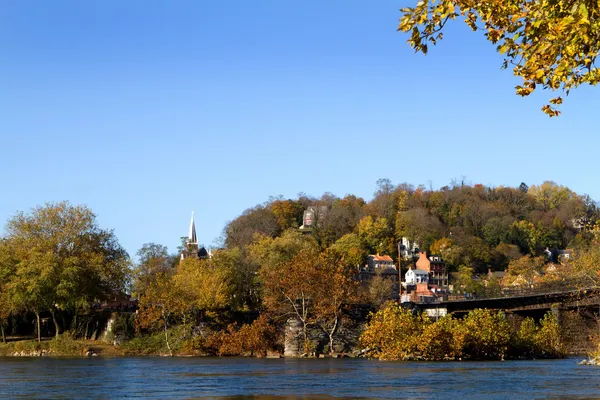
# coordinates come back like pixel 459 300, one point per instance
pixel 147 110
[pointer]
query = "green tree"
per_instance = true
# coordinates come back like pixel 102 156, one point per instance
pixel 351 249
pixel 241 274
pixel 64 261
pixel 527 235
pixel 465 283
pixel 550 44
pixel 7 270
pixel 153 259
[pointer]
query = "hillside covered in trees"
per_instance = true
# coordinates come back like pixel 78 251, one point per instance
pixel 476 226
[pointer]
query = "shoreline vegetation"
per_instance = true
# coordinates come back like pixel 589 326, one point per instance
pixel 296 277
pixel 392 334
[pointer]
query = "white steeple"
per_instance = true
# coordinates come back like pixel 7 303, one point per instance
pixel 192 239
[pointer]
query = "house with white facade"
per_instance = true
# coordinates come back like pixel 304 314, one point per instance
pixel 416 276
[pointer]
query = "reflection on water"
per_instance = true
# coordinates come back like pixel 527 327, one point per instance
pixel 241 378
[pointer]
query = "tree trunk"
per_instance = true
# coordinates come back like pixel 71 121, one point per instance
pixel 74 323
pixel 39 327
pixel 167 334
pixel 3 335
pixel 305 334
pixel 331 333
pixel 56 330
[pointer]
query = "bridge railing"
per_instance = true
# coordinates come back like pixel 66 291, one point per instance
pixel 569 285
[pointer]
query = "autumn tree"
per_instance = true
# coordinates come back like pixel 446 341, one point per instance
pixel 288 288
pixel 341 219
pixel 420 226
pixel 483 334
pixel 258 220
pixel 526 270
pixel 270 252
pixel 334 288
pixel 392 333
pixel 377 235
pixel 288 213
pixel 203 286
pixel 377 290
pixel 64 261
pixel 161 300
pixel 550 44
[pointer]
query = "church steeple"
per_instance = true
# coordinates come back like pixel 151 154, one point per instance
pixel 191 244
pixel 192 239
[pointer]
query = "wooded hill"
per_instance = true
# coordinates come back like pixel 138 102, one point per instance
pixel 471 225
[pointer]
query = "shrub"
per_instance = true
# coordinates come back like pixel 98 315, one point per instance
pixel 29 346
pixel 251 339
pixel 392 333
pixel 147 344
pixel 482 335
pixel 524 343
pixel 124 326
pixel 437 340
pixel 66 345
pixel 548 341
pixel 396 334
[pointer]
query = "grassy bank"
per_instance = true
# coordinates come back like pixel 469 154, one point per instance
pixel 63 346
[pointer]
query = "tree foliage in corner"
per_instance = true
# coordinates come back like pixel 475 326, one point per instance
pixel 551 44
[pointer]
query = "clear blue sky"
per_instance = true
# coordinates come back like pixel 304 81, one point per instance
pixel 147 110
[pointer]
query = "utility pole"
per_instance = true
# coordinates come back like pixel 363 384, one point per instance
pixel 399 275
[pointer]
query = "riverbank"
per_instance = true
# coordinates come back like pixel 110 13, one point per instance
pixel 63 346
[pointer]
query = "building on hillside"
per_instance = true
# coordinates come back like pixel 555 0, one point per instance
pixel 377 262
pixel 435 267
pixel 383 266
pixel 313 217
pixel 422 293
pixel 416 276
pixel 192 250
pixel 562 256
pixel 408 249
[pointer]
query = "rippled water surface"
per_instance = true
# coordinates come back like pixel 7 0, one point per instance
pixel 239 378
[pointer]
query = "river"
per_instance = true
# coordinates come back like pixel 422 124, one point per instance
pixel 240 378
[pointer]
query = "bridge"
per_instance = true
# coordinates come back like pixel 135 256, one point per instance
pixel 521 299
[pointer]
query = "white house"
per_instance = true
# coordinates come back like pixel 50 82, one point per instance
pixel 414 276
